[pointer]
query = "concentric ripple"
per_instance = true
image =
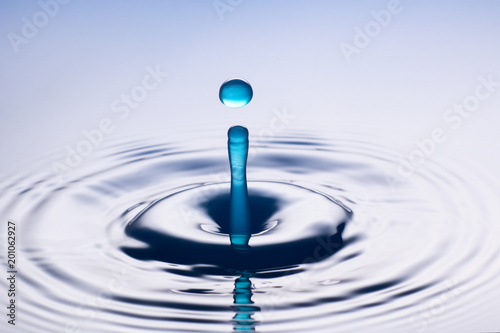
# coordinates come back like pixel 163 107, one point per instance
pixel 138 240
pixel 286 232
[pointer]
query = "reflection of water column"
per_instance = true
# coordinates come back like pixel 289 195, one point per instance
pixel 243 304
pixel 239 211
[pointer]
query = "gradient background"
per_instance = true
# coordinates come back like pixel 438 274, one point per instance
pixel 396 90
pixel 65 78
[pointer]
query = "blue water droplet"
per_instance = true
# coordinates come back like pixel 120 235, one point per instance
pixel 235 93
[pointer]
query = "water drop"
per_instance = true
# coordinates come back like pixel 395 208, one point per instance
pixel 235 93
pixel 240 229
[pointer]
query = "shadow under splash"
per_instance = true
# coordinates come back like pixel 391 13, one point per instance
pixel 177 250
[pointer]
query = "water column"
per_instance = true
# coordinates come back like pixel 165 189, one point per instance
pixel 240 229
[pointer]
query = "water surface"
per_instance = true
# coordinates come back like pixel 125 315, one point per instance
pixel 138 240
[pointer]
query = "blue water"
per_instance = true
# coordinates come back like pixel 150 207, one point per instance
pixel 235 93
pixel 240 223
pixel 138 240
